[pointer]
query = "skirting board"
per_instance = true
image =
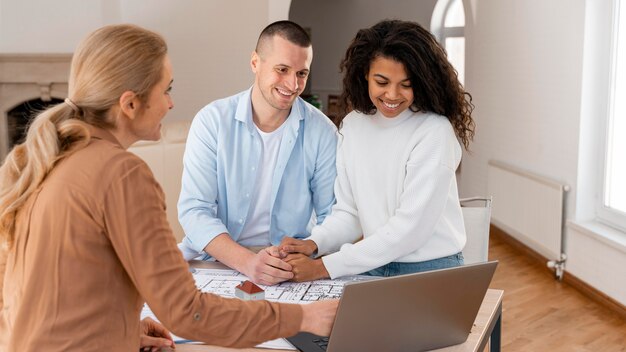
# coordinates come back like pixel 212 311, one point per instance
pixel 569 279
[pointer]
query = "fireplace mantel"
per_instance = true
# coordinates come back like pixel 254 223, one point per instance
pixel 24 77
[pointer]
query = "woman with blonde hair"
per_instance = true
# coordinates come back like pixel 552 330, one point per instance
pixel 84 235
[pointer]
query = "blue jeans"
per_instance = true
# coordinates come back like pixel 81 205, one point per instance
pixel 396 268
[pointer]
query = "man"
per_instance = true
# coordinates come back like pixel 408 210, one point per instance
pixel 259 164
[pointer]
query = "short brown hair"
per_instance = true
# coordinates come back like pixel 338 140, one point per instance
pixel 288 30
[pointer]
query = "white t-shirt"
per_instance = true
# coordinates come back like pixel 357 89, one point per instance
pixel 256 231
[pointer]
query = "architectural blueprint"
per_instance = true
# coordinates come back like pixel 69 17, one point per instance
pixel 223 281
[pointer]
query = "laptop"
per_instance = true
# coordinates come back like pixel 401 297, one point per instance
pixel 413 312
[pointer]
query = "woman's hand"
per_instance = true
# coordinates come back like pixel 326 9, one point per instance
pixel 154 336
pixel 318 317
pixel 292 245
pixel 305 268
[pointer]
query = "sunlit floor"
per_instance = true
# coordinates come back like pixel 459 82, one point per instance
pixel 542 314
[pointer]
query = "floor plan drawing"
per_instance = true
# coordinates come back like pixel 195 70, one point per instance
pixel 222 282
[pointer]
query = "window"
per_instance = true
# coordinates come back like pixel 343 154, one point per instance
pixel 448 26
pixel 613 201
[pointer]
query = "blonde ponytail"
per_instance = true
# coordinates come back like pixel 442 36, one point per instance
pixel 52 135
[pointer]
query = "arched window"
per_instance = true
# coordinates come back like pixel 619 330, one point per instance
pixel 448 26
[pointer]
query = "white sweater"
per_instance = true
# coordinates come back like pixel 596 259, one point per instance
pixel 396 186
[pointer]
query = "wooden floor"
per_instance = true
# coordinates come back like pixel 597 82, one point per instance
pixel 540 313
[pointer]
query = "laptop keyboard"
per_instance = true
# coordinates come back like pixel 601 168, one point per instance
pixel 322 342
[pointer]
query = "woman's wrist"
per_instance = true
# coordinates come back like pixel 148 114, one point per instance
pixel 311 247
pixel 321 272
pixel 307 318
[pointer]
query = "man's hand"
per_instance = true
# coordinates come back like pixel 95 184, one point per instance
pixel 265 268
pixel 154 336
pixel 292 245
pixel 306 269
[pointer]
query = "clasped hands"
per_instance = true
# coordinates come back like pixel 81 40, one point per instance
pixel 290 260
pixel 297 254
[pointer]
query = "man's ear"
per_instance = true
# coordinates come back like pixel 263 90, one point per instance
pixel 129 104
pixel 254 61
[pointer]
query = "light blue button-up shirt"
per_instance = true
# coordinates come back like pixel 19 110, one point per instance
pixel 220 167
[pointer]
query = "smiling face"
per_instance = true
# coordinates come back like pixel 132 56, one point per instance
pixel 147 126
pixel 389 86
pixel 281 70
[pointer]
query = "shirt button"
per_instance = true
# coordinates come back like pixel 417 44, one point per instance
pixel 253 168
pixel 241 221
pixel 196 316
pixel 247 195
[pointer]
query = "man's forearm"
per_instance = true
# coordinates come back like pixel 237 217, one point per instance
pixel 226 250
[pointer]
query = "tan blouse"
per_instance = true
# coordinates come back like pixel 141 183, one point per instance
pixel 91 245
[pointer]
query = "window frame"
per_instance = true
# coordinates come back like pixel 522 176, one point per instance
pixel 438 20
pixel 605 214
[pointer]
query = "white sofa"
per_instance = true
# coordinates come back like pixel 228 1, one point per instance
pixel 165 159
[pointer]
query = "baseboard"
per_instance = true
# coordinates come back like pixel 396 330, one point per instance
pixel 594 294
pixel 537 258
pixel 569 279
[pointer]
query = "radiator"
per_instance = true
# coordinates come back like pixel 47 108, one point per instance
pixel 531 208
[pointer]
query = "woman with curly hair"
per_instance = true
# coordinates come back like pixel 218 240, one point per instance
pixel 396 161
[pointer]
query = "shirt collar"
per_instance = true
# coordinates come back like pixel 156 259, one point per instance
pixel 383 121
pixel 244 110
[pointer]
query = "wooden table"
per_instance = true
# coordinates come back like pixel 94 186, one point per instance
pixel 487 325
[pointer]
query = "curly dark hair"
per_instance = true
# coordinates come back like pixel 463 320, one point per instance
pixel 435 83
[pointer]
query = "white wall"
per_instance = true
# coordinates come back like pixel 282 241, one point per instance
pixel 210 41
pixel 38 26
pixel 278 10
pixel 524 69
